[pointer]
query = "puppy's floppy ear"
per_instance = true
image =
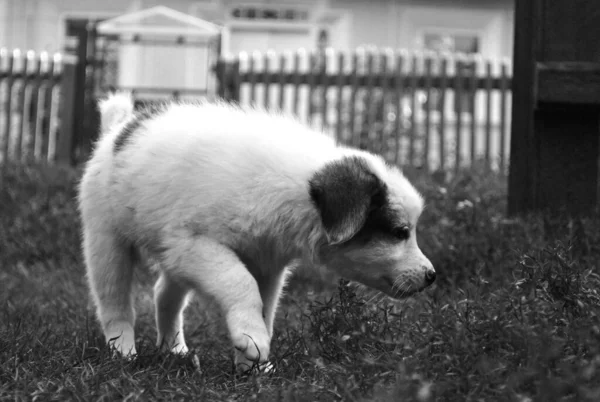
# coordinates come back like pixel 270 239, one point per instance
pixel 345 192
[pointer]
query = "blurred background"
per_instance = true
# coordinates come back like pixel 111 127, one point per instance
pixel 424 83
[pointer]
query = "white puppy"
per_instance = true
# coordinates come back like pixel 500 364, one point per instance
pixel 228 199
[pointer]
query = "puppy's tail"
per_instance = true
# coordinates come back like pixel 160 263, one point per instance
pixel 114 110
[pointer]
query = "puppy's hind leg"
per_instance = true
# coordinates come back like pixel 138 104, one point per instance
pixel 170 299
pixel 109 265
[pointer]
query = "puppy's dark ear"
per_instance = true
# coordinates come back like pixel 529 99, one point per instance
pixel 345 192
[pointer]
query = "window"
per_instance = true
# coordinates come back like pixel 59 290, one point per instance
pixel 268 13
pixel 442 42
pixel 454 43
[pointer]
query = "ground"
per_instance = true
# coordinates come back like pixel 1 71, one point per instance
pixel 514 314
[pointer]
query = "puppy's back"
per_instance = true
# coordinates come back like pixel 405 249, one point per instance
pixel 225 141
pixel 189 159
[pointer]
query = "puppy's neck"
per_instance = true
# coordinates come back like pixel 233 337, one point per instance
pixel 289 229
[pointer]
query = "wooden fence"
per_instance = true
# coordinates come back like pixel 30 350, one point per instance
pixel 424 110
pixel 29 99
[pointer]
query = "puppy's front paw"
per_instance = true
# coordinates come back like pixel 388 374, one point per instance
pixel 252 346
pixel 177 346
pixel 179 349
pixel 120 338
pixel 122 349
pixel 245 366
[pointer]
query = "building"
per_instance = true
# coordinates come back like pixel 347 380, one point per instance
pixel 481 26
pixel 157 49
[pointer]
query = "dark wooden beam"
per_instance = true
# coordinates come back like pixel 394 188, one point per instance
pixel 568 82
pixel 556 107
pixel 523 166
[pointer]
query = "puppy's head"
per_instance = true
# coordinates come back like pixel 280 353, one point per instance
pixel 369 214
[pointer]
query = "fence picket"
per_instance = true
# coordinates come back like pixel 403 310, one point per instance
pixel 267 65
pixel 413 109
pixel 352 103
pixel 385 92
pixel 296 82
pixel 323 87
pixel 503 122
pixel 18 92
pixel 41 106
pixel 252 77
pixel 28 122
pixel 340 97
pixel 458 100
pixel 4 74
pixel 282 86
pixel 473 108
pixel 442 111
pixel 366 138
pixel 312 59
pixel 54 67
pixel 488 110
pixel 428 76
pixel 9 82
pixel 400 87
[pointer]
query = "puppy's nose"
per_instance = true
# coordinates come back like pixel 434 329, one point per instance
pixel 429 276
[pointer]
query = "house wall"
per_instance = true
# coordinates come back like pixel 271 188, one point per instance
pixel 17 22
pixel 399 24
pixel 39 24
pixel 4 18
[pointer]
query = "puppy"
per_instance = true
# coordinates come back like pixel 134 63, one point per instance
pixel 228 199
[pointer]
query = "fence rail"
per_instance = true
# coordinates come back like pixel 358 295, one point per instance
pixel 29 90
pixel 420 109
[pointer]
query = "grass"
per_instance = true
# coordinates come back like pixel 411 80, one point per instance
pixel 514 316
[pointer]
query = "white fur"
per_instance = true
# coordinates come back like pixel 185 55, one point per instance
pixel 204 187
pixel 115 110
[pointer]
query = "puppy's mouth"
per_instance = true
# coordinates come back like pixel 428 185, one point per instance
pixel 399 292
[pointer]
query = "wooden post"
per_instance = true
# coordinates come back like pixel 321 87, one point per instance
pixel 235 83
pixel 556 107
pixel 7 105
pixel 89 121
pixel 67 112
pixel 228 80
pixel 220 74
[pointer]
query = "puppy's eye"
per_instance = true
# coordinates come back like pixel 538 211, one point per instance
pixel 401 233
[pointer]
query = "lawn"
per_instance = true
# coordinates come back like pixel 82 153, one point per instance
pixel 514 314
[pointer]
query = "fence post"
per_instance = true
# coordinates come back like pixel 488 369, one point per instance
pixel 220 73
pixel 89 122
pixel 7 105
pixel 67 115
pixel 228 80
pixel 235 82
